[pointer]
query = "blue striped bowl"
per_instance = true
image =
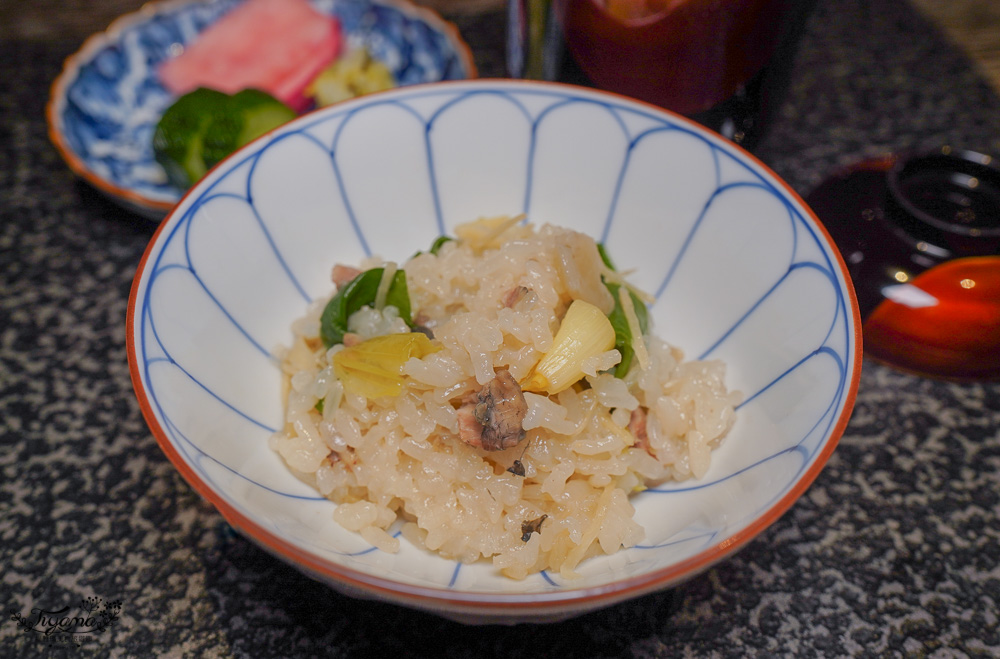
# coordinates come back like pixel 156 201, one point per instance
pixel 742 271
pixel 104 106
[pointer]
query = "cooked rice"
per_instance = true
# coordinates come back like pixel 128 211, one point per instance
pixel 398 463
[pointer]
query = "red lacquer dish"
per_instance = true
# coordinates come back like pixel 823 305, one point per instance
pixel 921 237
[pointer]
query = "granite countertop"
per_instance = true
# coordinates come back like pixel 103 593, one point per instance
pixel 893 551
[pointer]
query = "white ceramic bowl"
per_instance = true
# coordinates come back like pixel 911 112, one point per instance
pixel 741 269
pixel 104 106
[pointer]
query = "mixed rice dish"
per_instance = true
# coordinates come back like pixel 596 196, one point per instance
pixel 500 396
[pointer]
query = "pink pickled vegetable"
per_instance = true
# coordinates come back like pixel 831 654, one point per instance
pixel 276 46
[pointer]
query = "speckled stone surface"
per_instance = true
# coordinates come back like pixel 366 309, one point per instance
pixel 894 550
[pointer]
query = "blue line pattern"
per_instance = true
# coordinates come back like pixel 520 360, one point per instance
pixel 742 274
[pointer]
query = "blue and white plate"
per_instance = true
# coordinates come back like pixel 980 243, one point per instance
pixel 741 268
pixel 105 104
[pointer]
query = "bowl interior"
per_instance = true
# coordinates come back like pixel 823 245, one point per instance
pixel 106 103
pixel 740 268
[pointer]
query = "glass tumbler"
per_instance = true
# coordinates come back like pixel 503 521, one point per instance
pixel 723 63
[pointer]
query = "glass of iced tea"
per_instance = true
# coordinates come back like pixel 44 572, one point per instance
pixel 721 62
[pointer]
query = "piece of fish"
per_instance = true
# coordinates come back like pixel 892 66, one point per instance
pixel 493 419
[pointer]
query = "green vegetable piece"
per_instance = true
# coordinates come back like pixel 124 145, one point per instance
pixel 204 126
pixel 435 246
pixel 439 242
pixel 360 292
pixel 221 136
pixel 249 114
pixel 178 140
pixel 261 113
pixel 623 334
pixel 602 250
